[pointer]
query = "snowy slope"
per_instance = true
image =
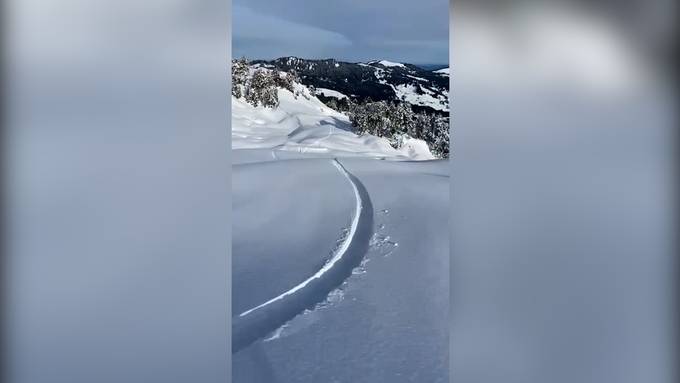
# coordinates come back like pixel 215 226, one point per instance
pixel 389 64
pixel 339 259
pixel 443 71
pixel 330 93
pixel 303 124
pixel 380 307
pixel 409 93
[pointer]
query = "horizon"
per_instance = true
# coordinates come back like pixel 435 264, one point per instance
pixel 234 57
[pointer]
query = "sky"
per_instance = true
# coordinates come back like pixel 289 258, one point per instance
pixel 350 30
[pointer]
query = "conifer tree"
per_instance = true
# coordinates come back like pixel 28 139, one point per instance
pixel 239 77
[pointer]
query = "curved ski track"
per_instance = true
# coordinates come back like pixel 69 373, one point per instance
pixel 260 320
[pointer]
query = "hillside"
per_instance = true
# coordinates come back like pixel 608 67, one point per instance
pixel 301 123
pixel 273 109
pixel 424 90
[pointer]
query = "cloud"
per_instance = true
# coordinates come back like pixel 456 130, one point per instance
pixel 258 35
pixel 375 29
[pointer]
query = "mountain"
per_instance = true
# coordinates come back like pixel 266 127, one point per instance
pixel 425 90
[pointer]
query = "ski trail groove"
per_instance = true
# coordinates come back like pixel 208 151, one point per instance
pixel 260 320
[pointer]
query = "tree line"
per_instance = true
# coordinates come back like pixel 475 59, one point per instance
pixel 397 122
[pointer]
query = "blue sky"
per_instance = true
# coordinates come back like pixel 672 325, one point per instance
pixel 351 30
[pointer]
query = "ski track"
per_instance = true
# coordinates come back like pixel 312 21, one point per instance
pixel 338 255
pixel 257 322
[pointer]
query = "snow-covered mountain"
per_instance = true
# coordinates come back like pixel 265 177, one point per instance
pixel 379 80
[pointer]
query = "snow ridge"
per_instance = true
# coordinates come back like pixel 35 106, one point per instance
pixel 258 321
pixel 443 71
pixel 391 64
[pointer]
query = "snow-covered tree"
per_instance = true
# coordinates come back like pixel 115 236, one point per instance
pixel 285 81
pixel 397 122
pixel 422 124
pixel 258 87
pixel 440 146
pixel 333 104
pixel 239 77
pixel 262 89
pixel 376 118
pixel 403 120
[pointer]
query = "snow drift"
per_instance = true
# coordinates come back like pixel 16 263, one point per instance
pixel 303 124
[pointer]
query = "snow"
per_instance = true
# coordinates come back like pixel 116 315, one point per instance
pixel 277 188
pixel 338 254
pixel 391 64
pixel 414 147
pixel 430 98
pixel 380 75
pixel 443 72
pixel 416 78
pixel 303 124
pixel 372 310
pixel 330 93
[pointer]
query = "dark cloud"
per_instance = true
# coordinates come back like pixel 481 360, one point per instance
pixel 352 30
